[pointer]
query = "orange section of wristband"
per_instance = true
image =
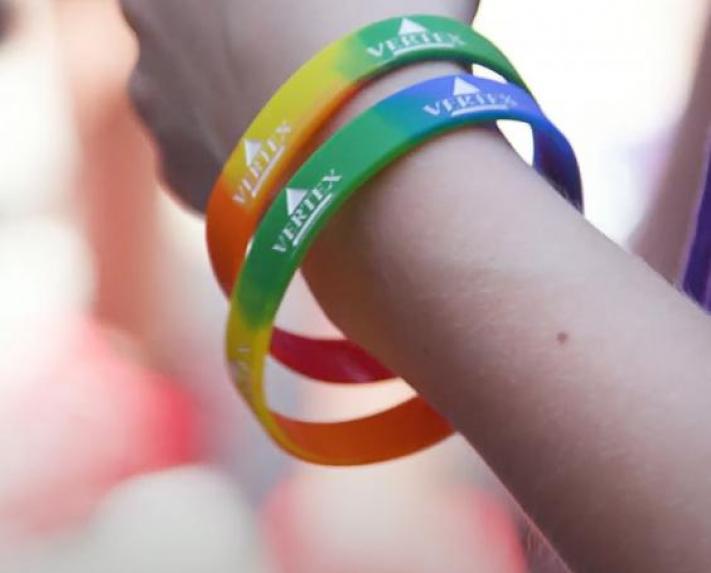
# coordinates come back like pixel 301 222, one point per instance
pixel 404 430
pixel 400 431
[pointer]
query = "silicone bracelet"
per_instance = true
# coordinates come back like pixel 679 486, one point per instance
pixel 337 169
pixel 273 142
pixel 696 281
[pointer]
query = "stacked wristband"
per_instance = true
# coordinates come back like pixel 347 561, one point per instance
pixel 325 181
pixel 274 141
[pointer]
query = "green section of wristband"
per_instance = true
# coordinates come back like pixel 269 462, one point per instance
pixel 267 264
pixel 385 43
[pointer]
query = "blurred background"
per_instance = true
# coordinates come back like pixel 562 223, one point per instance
pixel 123 446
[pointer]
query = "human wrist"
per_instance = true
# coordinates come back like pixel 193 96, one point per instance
pixel 389 233
pixel 386 131
pixel 377 90
pixel 318 191
pixel 300 39
pixel 364 217
pixel 309 99
pixel 295 47
pixel 347 263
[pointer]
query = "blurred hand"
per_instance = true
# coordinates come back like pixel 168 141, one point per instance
pixel 207 66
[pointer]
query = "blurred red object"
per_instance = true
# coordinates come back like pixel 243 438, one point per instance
pixel 76 419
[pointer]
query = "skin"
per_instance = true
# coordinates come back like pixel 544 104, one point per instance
pixel 571 366
pixel 662 237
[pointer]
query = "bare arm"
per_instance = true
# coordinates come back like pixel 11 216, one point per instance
pixel 575 370
pixel 577 373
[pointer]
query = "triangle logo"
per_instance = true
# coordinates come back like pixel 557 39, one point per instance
pixel 294 197
pixel 251 148
pixel 407 26
pixel 464 88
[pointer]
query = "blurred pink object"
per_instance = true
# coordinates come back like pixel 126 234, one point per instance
pixel 317 525
pixel 76 419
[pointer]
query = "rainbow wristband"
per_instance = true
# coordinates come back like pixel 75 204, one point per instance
pixel 335 171
pixel 279 134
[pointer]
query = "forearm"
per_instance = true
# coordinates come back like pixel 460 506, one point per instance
pixel 575 371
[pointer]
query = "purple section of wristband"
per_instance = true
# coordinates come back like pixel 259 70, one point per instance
pixel 697 275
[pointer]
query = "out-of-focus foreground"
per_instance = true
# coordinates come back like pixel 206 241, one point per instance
pixel 122 444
